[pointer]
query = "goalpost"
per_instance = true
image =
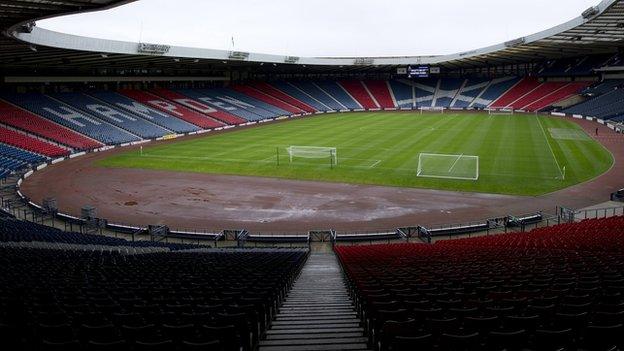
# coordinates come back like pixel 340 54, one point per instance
pixel 448 166
pixel 313 152
pixel 500 111
pixel 431 109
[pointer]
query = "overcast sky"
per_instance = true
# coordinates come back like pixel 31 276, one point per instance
pixel 325 27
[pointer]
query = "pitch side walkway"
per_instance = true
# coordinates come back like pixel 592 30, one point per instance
pixel 318 313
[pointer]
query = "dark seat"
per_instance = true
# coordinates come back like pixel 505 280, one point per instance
pixel 106 346
pixel 422 342
pixel 226 334
pixel 603 337
pixel 549 339
pixel 507 339
pixel 68 345
pixel 212 345
pixel 460 342
pixel 161 345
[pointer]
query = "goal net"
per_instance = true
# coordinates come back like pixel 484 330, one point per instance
pixel 500 111
pixel 448 166
pixel 312 152
pixel 431 109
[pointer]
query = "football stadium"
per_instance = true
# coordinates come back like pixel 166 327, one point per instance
pixel 159 196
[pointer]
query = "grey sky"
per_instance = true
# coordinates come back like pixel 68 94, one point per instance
pixel 325 27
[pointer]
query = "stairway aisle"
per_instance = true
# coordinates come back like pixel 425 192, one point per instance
pixel 318 313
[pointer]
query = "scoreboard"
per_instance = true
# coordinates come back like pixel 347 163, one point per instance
pixel 422 71
pixel 418 72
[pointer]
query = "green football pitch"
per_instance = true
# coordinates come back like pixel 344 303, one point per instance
pixel 515 154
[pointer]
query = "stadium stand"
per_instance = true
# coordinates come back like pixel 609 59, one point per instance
pixel 135 125
pixel 358 91
pixel 15 230
pixel 157 117
pixel 575 66
pixel 403 94
pixel 562 93
pixel 260 107
pixel 542 90
pixel 380 90
pixel 526 86
pixel 603 87
pixel 222 116
pixel 605 106
pixel 266 98
pixel 18 118
pixel 447 91
pixel 472 88
pixel 310 88
pixel 337 92
pixel 278 94
pixel 21 155
pixel 102 299
pixel 222 102
pixel 26 142
pixel 172 108
pixel 424 91
pixel 62 114
pixel 296 93
pixel 553 288
pixel 494 90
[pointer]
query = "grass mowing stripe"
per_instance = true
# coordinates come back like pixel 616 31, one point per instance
pixel 383 147
pixel 550 147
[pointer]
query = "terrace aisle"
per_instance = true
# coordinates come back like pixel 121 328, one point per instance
pixel 318 313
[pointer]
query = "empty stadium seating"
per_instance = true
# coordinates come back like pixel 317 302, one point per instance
pixel 257 94
pixel 62 114
pixel 31 123
pixel 124 120
pixel 553 288
pixel 15 230
pixel 605 106
pixel 13 159
pixel 559 94
pixel 296 93
pixel 472 89
pixel 317 93
pixel 380 91
pixel 358 91
pixel 424 91
pixel 259 107
pixel 402 93
pixel 447 91
pixel 104 300
pixel 536 94
pixel 337 92
pixel 270 90
pixel 19 154
pixel 26 142
pixel 172 108
pixel 518 91
pixel 224 102
pixel 494 90
pixel 157 117
pixel 222 116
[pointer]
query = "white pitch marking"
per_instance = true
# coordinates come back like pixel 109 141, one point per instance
pixel 375 164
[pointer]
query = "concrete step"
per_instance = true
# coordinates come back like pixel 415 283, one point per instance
pixel 318 313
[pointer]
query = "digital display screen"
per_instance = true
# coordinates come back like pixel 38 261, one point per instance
pixel 419 72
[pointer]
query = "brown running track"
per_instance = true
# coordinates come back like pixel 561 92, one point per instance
pixel 214 202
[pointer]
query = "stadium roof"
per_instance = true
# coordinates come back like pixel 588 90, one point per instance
pixel 599 29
